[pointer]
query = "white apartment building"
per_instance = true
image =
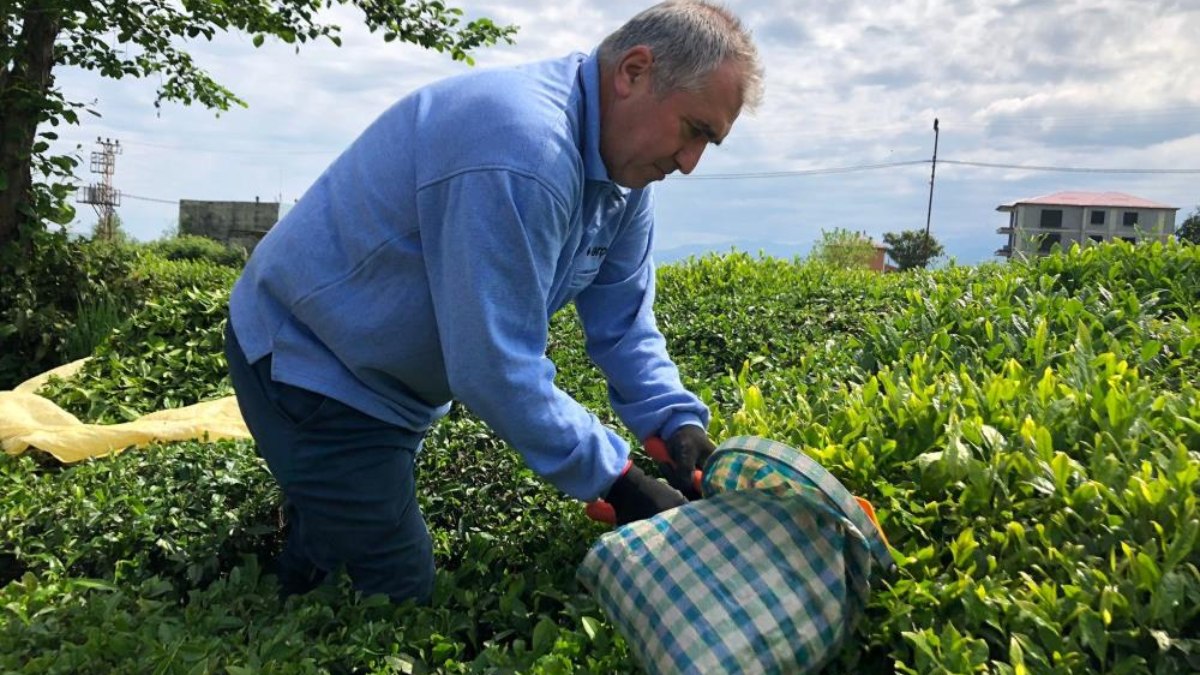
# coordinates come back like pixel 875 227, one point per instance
pixel 1035 225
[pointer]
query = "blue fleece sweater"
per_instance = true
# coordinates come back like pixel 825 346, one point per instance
pixel 424 265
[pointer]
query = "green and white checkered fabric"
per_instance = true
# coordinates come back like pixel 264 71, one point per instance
pixel 768 574
pixel 750 462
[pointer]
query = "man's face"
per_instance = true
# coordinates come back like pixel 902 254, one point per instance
pixel 646 136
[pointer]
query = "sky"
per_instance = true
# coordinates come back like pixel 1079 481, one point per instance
pixel 1101 86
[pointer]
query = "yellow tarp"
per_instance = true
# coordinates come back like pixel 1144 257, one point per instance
pixel 28 420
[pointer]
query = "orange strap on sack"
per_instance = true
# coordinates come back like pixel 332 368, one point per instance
pixel 870 511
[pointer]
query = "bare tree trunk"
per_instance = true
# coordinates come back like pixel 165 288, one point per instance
pixel 22 93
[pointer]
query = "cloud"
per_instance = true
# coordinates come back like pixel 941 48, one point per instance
pixel 1085 83
pixel 785 31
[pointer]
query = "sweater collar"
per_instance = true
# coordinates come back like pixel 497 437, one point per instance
pixel 593 163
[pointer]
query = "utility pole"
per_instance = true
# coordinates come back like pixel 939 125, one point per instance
pixel 103 197
pixel 929 210
pixel 932 175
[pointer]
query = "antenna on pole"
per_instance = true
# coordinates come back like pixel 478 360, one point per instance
pixel 932 175
pixel 103 197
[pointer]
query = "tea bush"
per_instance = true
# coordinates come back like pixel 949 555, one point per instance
pixel 198 248
pixel 184 511
pixel 1027 432
pixel 168 354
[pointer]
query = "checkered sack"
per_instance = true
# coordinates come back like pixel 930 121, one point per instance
pixel 768 574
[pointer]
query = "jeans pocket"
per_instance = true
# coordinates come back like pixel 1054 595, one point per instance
pixel 299 406
pixel 296 405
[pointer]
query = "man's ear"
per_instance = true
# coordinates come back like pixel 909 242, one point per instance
pixel 633 70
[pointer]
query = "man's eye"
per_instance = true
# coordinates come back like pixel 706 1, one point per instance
pixel 694 131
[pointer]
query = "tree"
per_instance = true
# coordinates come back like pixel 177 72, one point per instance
pixel 1189 230
pixel 844 249
pixel 139 38
pixel 912 248
pixel 109 229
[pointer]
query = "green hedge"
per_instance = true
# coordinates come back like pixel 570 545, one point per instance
pixel 197 248
pixel 1027 432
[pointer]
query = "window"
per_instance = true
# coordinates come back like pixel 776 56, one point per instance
pixel 1098 217
pixel 1049 240
pixel 1096 238
pixel 1132 240
pixel 1129 218
pixel 1051 218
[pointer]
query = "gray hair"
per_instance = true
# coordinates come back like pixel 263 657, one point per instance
pixel 690 39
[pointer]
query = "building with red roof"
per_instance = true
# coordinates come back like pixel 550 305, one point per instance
pixel 1035 225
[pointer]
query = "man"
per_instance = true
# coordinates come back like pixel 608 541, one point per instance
pixel 424 265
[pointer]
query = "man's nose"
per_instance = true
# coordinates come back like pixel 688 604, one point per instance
pixel 689 155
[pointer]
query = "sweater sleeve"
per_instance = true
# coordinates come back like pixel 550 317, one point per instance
pixel 617 313
pixel 491 241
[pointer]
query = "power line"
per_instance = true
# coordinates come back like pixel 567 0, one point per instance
pixel 150 199
pixel 1104 121
pixel 805 172
pixel 1071 169
pixel 890 165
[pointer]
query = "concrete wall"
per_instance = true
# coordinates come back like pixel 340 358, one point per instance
pixel 236 223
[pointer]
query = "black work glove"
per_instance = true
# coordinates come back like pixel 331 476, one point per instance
pixel 690 449
pixel 635 496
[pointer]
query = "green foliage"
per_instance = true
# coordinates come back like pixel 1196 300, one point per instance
pixel 186 511
pixel 168 355
pixel 806 318
pixel 94 320
pixel 172 345
pixel 842 249
pixel 143 39
pixel 1027 434
pixel 1026 431
pixel 102 556
pixel 235 625
pixel 196 247
pixel 166 278
pixel 1189 229
pixel 42 298
pixel 912 249
pixel 110 229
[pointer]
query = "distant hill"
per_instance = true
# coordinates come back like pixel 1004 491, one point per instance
pixel 754 248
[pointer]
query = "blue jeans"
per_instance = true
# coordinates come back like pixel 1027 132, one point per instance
pixel 348 483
